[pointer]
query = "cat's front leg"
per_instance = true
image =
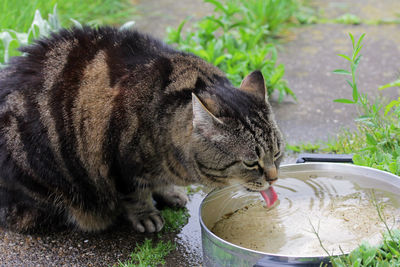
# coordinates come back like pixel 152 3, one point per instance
pixel 141 212
pixel 170 195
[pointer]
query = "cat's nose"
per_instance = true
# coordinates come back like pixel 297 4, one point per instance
pixel 271 175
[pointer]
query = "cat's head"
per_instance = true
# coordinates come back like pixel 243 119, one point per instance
pixel 235 139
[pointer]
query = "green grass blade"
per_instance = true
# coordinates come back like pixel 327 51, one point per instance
pixel 360 40
pixel 358 49
pixel 352 40
pixel 370 139
pixel 357 61
pixel 344 101
pixel 349 83
pixel 355 93
pixel 345 57
pixel 343 72
pixel 392 104
pixel 392 84
pixel 217 4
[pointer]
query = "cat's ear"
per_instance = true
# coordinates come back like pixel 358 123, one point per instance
pixel 254 84
pixel 203 116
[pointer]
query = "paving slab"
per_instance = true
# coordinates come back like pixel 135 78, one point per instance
pixel 154 16
pixel 370 10
pixel 309 59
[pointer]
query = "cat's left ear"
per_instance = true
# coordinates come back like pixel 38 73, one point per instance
pixel 254 84
pixel 203 116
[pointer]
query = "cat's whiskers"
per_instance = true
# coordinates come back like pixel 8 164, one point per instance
pixel 223 210
pixel 225 191
pixel 239 187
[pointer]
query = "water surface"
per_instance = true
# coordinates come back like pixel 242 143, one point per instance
pixel 339 212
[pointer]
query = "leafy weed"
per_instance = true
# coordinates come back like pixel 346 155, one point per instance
pixel 238 38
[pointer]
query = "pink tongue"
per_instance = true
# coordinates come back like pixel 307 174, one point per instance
pixel 269 196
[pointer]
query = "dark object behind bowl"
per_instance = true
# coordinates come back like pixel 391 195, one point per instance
pixel 334 158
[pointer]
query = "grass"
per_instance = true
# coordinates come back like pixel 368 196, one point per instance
pixel 19 18
pixel 18 15
pixel 239 37
pixel 146 254
pixel 304 147
pixel 348 19
pixel 174 219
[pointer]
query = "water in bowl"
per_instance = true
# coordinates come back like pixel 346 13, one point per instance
pixel 341 213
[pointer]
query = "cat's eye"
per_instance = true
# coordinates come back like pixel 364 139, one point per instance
pixel 250 164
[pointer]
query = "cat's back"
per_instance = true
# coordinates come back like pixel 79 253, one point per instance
pixel 67 53
pixel 58 100
pixel 74 71
pixel 71 95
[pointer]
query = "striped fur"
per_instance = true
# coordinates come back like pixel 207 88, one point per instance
pixel 96 122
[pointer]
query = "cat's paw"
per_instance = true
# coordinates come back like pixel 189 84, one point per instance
pixel 172 196
pixel 149 222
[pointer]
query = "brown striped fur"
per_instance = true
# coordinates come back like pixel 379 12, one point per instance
pixel 99 122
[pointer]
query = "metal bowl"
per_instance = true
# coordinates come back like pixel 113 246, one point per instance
pixel 218 252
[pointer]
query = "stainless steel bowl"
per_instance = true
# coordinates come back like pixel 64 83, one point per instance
pixel 218 252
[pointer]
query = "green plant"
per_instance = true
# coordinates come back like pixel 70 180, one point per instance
pixel 174 219
pixel 236 37
pixel 146 254
pixel 10 39
pixel 304 147
pixel 18 29
pixel 39 27
pixel 348 19
pixel 354 60
pixel 17 15
pixel 305 14
pixel 377 143
pixel 271 15
pixel 394 104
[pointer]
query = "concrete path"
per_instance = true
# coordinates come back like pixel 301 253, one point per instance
pixel 309 58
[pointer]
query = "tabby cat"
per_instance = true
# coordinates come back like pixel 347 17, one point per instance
pixel 95 123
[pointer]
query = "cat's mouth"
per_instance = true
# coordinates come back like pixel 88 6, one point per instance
pixel 269 195
pixel 256 187
pixel 253 190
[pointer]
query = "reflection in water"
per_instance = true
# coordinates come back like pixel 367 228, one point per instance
pixel 340 210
